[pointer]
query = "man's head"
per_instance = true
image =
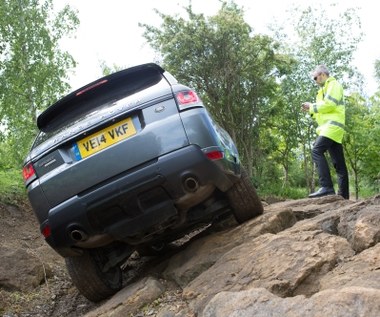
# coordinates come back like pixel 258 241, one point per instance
pixel 320 74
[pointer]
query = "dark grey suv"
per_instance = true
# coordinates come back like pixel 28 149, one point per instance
pixel 129 162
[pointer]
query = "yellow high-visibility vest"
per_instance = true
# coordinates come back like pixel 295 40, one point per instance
pixel 329 110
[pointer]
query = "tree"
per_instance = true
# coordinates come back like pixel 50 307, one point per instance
pixel 233 70
pixel 362 148
pixel 33 69
pixel 107 70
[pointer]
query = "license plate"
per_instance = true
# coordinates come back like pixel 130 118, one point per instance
pixel 104 138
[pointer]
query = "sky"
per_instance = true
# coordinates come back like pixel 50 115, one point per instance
pixel 109 30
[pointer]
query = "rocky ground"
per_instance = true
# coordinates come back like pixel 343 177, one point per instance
pixel 33 279
pixel 308 257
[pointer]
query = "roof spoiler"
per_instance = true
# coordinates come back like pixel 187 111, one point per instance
pixel 56 109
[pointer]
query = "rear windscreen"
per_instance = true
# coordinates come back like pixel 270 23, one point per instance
pixel 95 102
pixel 104 91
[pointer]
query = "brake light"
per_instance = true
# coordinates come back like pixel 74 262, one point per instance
pixel 187 98
pixel 28 172
pixel 46 231
pixel 215 155
pixel 91 87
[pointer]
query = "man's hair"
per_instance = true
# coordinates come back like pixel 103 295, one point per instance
pixel 321 69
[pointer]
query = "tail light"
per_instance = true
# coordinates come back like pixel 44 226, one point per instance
pixel 187 99
pixel 215 155
pixel 46 231
pixel 28 173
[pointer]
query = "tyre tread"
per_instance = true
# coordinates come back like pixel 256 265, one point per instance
pixel 244 200
pixel 87 277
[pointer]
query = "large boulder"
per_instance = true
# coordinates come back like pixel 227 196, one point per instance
pixel 22 269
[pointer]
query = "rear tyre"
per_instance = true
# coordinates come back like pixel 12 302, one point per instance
pixel 244 200
pixel 87 274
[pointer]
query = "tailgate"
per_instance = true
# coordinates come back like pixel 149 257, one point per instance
pixel 132 141
pixel 109 127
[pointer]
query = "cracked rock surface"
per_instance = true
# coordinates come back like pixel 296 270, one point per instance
pixel 307 257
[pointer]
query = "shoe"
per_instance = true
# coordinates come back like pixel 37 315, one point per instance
pixel 344 196
pixel 323 191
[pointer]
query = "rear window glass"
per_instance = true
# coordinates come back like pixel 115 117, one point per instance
pixel 97 103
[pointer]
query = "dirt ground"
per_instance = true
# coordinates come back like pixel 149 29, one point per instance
pixel 56 296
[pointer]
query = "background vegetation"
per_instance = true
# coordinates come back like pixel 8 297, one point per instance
pixel 252 83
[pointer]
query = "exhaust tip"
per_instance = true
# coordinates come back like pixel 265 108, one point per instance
pixel 78 235
pixel 191 184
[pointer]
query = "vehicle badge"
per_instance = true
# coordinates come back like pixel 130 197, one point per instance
pixel 159 109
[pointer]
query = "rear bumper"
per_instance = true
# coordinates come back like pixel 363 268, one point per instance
pixel 137 205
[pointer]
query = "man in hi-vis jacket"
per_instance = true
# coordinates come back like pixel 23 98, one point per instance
pixel 329 113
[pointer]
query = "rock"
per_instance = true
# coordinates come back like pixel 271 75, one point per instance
pixel 259 302
pixel 285 265
pixel 307 257
pixel 129 299
pixel 364 231
pixel 21 269
pixel 361 270
pixel 203 253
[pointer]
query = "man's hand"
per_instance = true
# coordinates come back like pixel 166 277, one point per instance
pixel 306 106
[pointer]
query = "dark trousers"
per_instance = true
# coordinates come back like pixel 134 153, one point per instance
pixel 321 145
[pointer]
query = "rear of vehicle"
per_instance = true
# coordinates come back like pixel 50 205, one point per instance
pixel 132 159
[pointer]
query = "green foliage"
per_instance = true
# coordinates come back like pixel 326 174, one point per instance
pixel 369 189
pixel 362 149
pixel 280 192
pixel 234 70
pixel 11 186
pixel 107 70
pixel 33 69
pixel 371 170
pixel 377 71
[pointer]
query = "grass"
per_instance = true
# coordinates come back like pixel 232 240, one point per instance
pixel 15 302
pixel 283 192
pixel 298 193
pixel 11 186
